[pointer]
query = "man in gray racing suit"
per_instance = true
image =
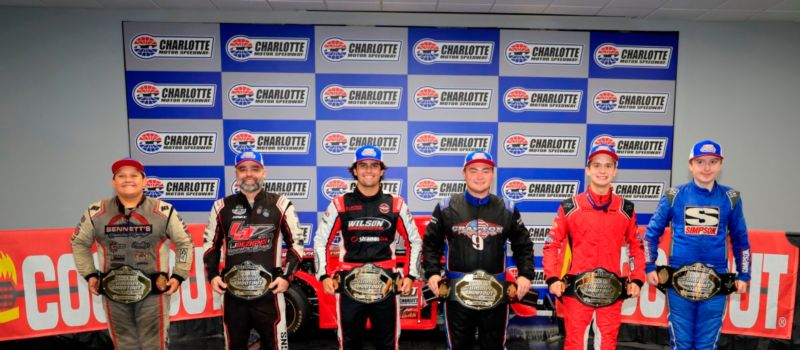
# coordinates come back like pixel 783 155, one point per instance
pixel 132 233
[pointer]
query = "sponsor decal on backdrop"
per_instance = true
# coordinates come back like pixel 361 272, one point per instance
pixel 149 95
pixel 521 100
pixel 433 189
pixel 607 101
pixel 521 53
pixel 430 51
pixel 339 143
pixel 180 188
pixel 270 142
pixel 621 56
pixel 242 48
pixel 153 142
pixel 148 46
pixel 639 191
pixel 338 50
pixel 338 97
pixel 517 189
pixel 635 147
pixel 246 96
pixel 428 97
pixel 428 144
pixel 525 145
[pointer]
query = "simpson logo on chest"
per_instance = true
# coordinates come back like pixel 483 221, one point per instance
pixel 701 220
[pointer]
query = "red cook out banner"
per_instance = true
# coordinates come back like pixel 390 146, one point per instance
pixel 41 293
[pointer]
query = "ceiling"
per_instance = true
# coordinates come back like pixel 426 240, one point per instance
pixel 692 10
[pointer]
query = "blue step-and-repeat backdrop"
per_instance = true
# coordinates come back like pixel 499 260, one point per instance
pixel 307 96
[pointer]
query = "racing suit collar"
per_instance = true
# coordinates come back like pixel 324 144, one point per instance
pixel 121 208
pixel 702 190
pixel 368 198
pixel 243 198
pixel 475 201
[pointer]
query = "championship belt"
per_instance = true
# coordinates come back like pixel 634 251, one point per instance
pixel 127 285
pixel 478 290
pixel 248 280
pixel 367 284
pixel 596 288
pixel 696 282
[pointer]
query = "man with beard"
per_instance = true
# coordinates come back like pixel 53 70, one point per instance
pixel 129 230
pixel 594 226
pixel 252 224
pixel 370 221
pixel 476 225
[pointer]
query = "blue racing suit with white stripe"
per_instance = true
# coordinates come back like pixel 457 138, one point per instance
pixel 702 222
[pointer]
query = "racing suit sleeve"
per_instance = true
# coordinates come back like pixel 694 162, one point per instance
pixel 81 241
pixel 184 246
pixel 433 244
pixel 521 246
pixel 328 227
pixel 408 230
pixel 213 239
pixel 655 228
pixel 552 247
pixel 741 244
pixel 292 235
pixel 635 251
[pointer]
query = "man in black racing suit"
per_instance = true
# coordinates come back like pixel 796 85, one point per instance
pixel 252 224
pixel 476 225
pixel 370 222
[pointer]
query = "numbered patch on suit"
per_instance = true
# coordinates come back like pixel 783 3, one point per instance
pixel 701 220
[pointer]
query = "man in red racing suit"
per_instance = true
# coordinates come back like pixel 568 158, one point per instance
pixel 596 225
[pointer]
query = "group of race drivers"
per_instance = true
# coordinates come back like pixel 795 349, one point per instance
pixel 461 256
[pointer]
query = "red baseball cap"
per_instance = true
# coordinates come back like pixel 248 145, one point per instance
pixel 127 162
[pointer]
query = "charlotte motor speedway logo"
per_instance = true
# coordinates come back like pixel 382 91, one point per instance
pixel 518 145
pixel 337 186
pixel 428 189
pixel 149 95
pixel 270 142
pixel 148 46
pixel 338 50
pixel 517 189
pixel 428 97
pixel 336 142
pixel 153 142
pixel 430 51
pixel 246 96
pixel 181 188
pixel 336 97
pixel 521 53
pixel 243 48
pixel 607 101
pixel 610 55
pixel 428 144
pixel 519 99
pixel 635 146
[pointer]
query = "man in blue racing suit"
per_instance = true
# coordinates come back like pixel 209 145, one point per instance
pixel 703 215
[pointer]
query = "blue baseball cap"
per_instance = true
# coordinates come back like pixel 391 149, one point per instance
pixel 368 152
pixel 478 156
pixel 602 149
pixel 249 155
pixel 706 148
